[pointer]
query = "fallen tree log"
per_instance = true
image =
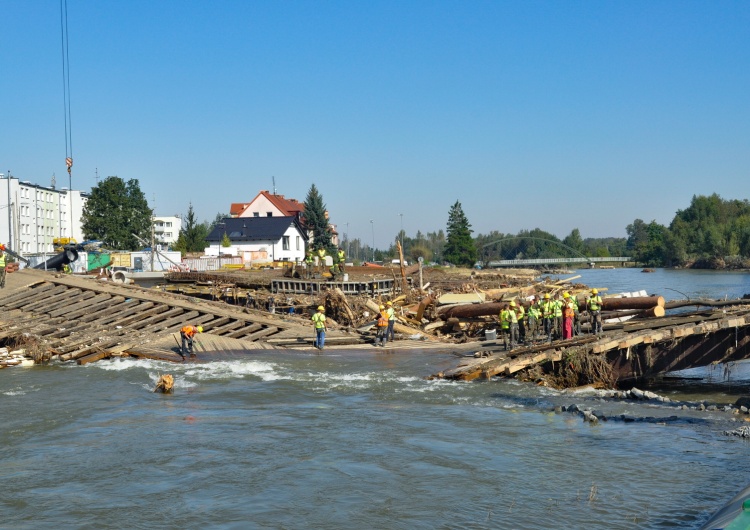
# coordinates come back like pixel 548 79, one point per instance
pixel 637 302
pixel 471 310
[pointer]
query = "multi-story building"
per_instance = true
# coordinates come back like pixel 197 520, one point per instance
pixel 167 228
pixel 33 216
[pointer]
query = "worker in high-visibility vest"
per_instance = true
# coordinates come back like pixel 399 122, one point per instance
pixel 534 314
pixel 341 255
pixel 558 314
pixel 2 266
pixel 309 261
pixel 188 338
pixel 391 320
pixel 513 325
pixel 322 259
pixel 381 325
pixel 520 316
pixel 594 303
pixel 505 324
pixel 567 317
pixel 319 323
pixel 548 314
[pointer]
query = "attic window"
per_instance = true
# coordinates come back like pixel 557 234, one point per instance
pixel 234 234
pixel 256 214
pixel 269 214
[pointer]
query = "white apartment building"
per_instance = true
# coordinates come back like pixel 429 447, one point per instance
pixel 33 216
pixel 167 229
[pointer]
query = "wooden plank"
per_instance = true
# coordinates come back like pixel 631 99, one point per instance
pixel 84 304
pixel 247 330
pixel 24 294
pixel 118 312
pixel 31 303
pixel 71 299
pixel 270 330
pixel 173 324
pixel 227 327
pixel 108 303
pixel 92 357
pixel 37 297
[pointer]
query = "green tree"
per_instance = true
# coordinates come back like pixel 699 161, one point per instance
pixel 193 234
pixel 575 241
pixel 316 220
pixel 459 247
pixel 225 241
pixel 114 212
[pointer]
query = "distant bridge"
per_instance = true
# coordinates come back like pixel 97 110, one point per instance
pixel 520 263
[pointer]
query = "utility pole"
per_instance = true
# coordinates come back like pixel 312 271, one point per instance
pixel 372 224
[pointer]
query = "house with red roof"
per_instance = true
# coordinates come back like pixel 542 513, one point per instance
pixel 267 204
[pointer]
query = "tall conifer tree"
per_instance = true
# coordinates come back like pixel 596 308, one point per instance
pixel 459 246
pixel 315 220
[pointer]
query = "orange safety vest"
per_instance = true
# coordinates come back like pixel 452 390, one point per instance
pixel 190 331
pixel 383 320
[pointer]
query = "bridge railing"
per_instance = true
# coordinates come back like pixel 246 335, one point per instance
pixel 556 261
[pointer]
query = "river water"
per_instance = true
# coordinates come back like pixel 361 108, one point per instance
pixel 356 440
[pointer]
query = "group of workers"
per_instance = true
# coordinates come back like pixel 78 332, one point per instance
pixel 551 317
pixel 321 253
pixel 384 325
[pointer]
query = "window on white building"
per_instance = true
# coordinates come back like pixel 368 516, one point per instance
pixel 256 214
pixel 285 242
pixel 269 214
pixel 298 241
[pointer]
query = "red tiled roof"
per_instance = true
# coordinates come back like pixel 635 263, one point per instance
pixel 287 206
pixel 236 208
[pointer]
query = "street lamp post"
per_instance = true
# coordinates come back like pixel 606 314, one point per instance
pixel 372 224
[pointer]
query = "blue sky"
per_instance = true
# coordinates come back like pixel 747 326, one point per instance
pixel 556 115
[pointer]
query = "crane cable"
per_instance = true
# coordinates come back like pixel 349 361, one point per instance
pixel 66 88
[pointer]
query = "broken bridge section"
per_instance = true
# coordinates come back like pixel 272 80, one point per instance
pixel 636 351
pixel 79 318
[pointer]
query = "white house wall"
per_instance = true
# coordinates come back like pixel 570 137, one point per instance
pixel 262 206
pixel 263 251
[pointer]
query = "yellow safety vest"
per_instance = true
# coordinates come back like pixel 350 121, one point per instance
pixel 320 320
pixel 595 303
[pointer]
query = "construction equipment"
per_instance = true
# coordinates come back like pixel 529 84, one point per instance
pixel 9 251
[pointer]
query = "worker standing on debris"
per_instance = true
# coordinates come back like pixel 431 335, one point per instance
pixel 534 313
pixel 188 338
pixel 381 336
pixel 576 315
pixel 322 259
pixel 548 313
pixel 391 320
pixel 2 266
pixel 319 322
pixel 520 314
pixel 557 319
pixel 567 314
pixel 513 325
pixel 505 324
pixel 309 260
pixel 341 255
pixel 595 309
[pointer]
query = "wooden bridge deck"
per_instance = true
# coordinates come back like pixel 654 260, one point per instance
pixel 84 319
pixel 640 349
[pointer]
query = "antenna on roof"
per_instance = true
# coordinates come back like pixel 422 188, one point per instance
pixel 274 184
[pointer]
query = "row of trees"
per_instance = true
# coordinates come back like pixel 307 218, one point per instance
pixel 711 230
